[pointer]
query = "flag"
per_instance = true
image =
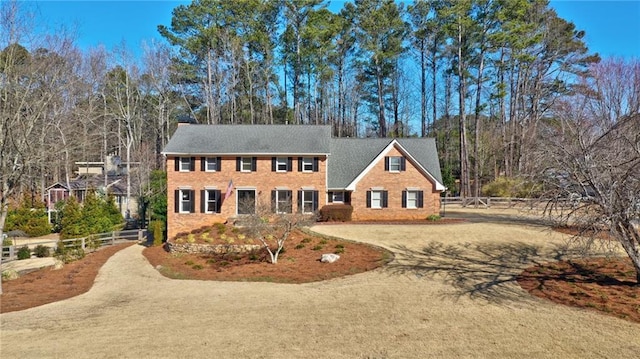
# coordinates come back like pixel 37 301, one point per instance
pixel 229 189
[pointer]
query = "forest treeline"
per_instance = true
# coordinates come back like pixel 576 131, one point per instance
pixel 480 76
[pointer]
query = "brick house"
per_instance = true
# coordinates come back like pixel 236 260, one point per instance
pixel 217 172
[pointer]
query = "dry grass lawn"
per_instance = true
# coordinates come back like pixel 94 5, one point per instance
pixel 450 293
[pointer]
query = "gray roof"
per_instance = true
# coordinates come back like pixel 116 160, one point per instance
pixel 350 156
pixel 249 140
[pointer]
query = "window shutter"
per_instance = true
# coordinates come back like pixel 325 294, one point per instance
pixel 238 163
pixel 386 163
pixel 315 200
pixel 176 198
pixel 300 201
pixel 420 199
pixel 192 164
pixel 315 164
pixel 254 164
pixel 347 197
pixel 403 164
pixel 273 164
pixel 177 164
pixel 404 199
pixel 299 164
pixel 203 164
pixel 385 197
pixel 289 164
pixel 203 200
pixel 368 199
pixel 219 164
pixel 330 197
pixel 273 201
pixel 192 193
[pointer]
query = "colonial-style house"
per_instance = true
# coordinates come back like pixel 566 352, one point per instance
pixel 217 172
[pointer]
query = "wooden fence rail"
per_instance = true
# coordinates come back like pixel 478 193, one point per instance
pixel 10 253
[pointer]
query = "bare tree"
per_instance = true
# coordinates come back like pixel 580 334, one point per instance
pixel 593 157
pixel 273 227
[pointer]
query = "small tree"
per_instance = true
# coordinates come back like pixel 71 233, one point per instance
pixel 273 229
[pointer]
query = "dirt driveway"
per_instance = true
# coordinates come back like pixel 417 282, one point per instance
pixel 450 293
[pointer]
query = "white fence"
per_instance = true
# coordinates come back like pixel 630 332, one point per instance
pixel 10 253
pixel 486 202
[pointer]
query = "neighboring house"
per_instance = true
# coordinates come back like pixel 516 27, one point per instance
pixel 217 172
pixel 91 176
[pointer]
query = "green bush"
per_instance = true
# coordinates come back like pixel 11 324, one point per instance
pixel 24 252
pixel 433 217
pixel 30 217
pixel 157 231
pixel 336 213
pixel 42 251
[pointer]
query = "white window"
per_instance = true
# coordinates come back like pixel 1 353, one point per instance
pixel 307 164
pixel 308 202
pixel 282 164
pixel 212 197
pixel 337 197
pixel 282 201
pixel 395 164
pixel 186 200
pixel 376 199
pixel 211 164
pixel 412 199
pixel 185 164
pixel 245 164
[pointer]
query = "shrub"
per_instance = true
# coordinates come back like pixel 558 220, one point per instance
pixel 157 231
pixel 511 187
pixel 30 217
pixel 24 252
pixel 336 213
pixel 299 246
pixel 433 217
pixel 42 251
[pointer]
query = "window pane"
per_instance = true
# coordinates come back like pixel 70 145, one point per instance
pixel 307 164
pixel 211 201
pixel 185 164
pixel 412 197
pixel 281 164
pixel 211 164
pixel 185 201
pixel 376 199
pixel 246 164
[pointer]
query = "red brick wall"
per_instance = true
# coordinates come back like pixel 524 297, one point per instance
pixel 394 183
pixel 264 181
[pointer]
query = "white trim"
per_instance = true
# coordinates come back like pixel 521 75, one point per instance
pixel 210 187
pixel 382 154
pixel 278 163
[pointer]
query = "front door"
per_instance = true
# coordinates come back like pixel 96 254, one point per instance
pixel 246 201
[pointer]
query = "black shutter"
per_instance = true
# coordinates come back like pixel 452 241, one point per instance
pixel 315 201
pixel 273 164
pixel 254 164
pixel 203 164
pixel 203 200
pixel 219 164
pixel 403 164
pixel 177 164
pixel 238 163
pixel 404 199
pixel 330 197
pixel 315 164
pixel 177 200
pixel 385 198
pixel 273 201
pixel 420 199
pixel 192 195
pixel 347 197
pixel 192 164
pixel 386 163
pixel 300 201
pixel 289 164
pixel 299 164
pixel 368 199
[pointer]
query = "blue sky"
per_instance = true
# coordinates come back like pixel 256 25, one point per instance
pixel 612 26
